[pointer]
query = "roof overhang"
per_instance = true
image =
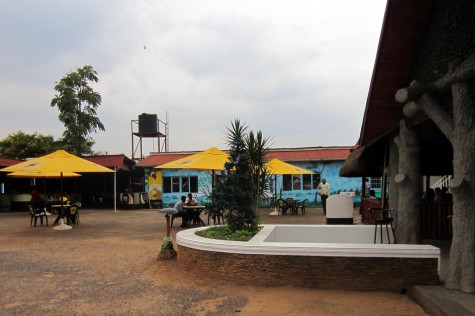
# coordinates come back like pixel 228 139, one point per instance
pixel 403 28
pixel 402 32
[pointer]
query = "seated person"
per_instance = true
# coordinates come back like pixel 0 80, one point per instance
pixel 181 212
pixel 66 198
pixel 36 200
pixel 372 194
pixel 191 201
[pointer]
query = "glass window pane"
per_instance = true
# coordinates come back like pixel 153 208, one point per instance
pixel 185 184
pixel 287 182
pixel 175 184
pixel 315 181
pixel 307 182
pixel 296 182
pixel 167 184
pixel 375 183
pixel 194 184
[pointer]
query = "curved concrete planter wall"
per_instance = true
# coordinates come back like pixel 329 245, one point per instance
pixel 317 256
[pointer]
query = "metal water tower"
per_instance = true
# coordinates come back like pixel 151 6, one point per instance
pixel 149 126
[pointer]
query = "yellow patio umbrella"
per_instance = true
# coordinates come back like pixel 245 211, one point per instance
pixel 58 162
pixel 30 174
pixel 276 166
pixel 210 159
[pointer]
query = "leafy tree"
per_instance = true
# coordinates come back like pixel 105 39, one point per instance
pixel 77 103
pixel 20 145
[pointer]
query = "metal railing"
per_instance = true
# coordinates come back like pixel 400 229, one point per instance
pixel 442 182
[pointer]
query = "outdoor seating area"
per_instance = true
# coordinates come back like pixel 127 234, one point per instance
pixel 190 217
pixel 43 210
pixel 194 213
pixel 291 206
pixel 292 195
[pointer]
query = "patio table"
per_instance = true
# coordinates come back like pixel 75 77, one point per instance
pixel 194 213
pixel 67 213
pixel 292 205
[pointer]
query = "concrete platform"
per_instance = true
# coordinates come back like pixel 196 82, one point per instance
pixel 439 301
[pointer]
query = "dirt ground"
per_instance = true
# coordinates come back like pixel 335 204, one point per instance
pixel 108 266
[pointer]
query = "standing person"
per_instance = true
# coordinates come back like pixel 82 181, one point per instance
pixel 191 201
pixel 323 190
pixel 367 188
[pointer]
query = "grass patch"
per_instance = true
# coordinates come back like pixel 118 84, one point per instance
pixel 224 233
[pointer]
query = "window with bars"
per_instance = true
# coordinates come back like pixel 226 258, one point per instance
pixel 180 184
pixel 375 183
pixel 297 182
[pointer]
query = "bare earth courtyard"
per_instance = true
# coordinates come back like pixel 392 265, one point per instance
pixel 108 266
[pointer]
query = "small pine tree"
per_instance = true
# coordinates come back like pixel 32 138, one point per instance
pixel 233 188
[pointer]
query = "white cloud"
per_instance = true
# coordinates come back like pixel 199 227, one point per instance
pixel 298 71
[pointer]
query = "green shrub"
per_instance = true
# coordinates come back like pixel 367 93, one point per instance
pixel 167 244
pixel 225 233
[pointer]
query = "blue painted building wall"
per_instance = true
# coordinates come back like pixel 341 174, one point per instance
pixel 328 170
pixel 204 185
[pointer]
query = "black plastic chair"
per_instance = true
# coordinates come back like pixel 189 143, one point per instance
pixel 382 217
pixel 301 206
pixel 216 217
pixel 36 213
pixel 74 213
pixel 283 206
pixel 179 214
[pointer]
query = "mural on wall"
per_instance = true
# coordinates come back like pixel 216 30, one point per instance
pixel 330 171
pixel 181 176
pixel 155 185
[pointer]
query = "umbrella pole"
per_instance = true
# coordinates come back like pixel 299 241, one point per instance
pixel 275 212
pixel 62 225
pixel 115 190
pixel 213 175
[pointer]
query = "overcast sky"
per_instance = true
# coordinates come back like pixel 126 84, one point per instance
pixel 297 70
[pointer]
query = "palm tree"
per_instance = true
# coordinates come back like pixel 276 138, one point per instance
pixel 258 147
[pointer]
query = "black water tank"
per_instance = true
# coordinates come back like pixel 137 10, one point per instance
pixel 148 123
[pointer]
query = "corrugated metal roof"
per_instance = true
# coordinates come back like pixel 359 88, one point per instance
pixel 284 154
pixel 310 154
pixel 109 161
pixel 6 162
pixel 112 161
pixel 156 159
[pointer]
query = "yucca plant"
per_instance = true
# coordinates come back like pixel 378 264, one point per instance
pixel 257 147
